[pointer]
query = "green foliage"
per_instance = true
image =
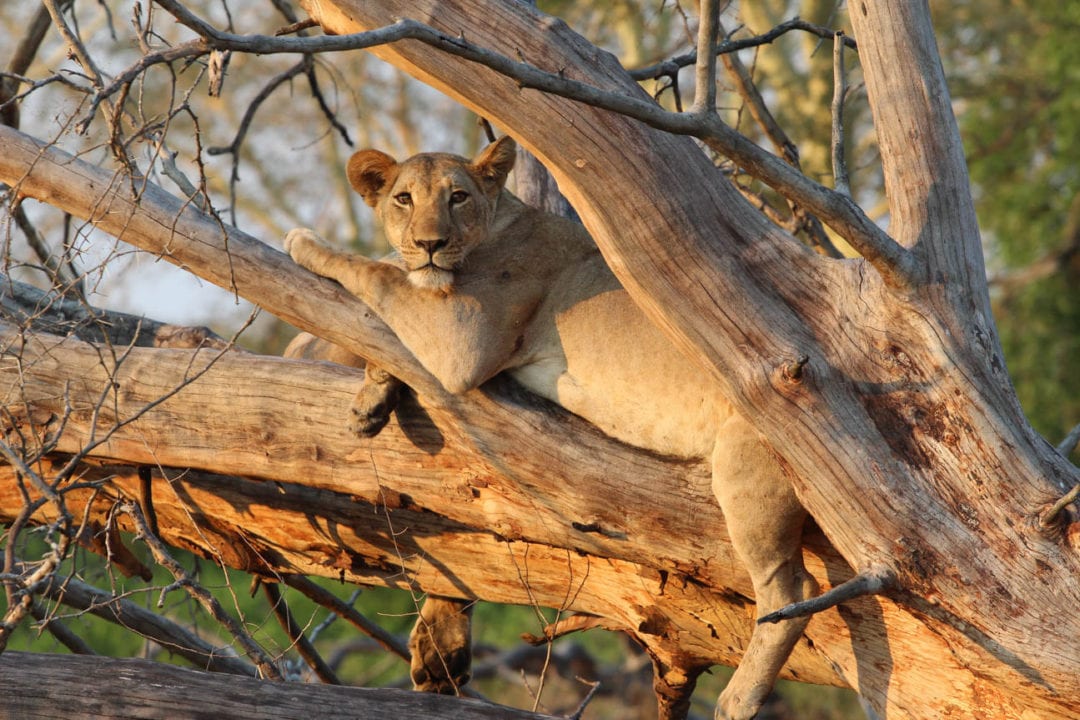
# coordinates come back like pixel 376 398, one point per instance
pixel 1014 71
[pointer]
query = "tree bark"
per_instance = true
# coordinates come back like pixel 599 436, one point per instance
pixel 45 686
pixel 903 434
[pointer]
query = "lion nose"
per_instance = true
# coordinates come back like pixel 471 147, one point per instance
pixel 431 246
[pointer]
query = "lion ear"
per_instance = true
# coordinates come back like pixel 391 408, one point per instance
pixel 369 172
pixel 495 162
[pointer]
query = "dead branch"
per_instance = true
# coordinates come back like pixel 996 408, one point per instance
pixel 784 147
pixel 840 173
pixel 36 685
pixel 705 75
pixel 669 68
pixel 873 582
pixel 131 616
pixel 267 667
pixel 329 601
pixel 23 305
pixel 296 635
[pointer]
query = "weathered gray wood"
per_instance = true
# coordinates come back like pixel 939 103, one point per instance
pixel 25 305
pixel 50 686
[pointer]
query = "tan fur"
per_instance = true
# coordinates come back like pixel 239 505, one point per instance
pixel 485 284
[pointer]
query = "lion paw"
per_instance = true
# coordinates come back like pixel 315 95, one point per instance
pixel 376 399
pixel 298 240
pixel 441 646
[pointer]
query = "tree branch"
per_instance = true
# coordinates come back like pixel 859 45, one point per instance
pixel 670 67
pixel 840 173
pixel 705 83
pixel 171 637
pixel 37 684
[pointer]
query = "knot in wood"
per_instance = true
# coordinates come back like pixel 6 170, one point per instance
pixel 792 372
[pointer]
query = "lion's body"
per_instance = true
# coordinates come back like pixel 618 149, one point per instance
pixel 484 284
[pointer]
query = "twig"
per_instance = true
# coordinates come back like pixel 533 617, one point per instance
pixel 296 635
pixel 868 582
pixel 1047 518
pixel 233 148
pixel 184 580
pixel 572 624
pixel 60 631
pixel 56 11
pixel 594 686
pixel 131 616
pixel 296 27
pixel 840 173
pixel 335 605
pixel 669 67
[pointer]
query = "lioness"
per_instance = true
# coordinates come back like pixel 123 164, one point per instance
pixel 484 284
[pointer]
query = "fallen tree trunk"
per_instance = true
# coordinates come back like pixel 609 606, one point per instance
pixel 46 686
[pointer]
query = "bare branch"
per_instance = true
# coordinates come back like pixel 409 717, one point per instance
pixel 233 148
pixel 61 632
pixel 784 147
pixel 1048 518
pixel 670 67
pixel 24 305
pixel 296 635
pixel 840 173
pixel 705 82
pixel 132 616
pixel 266 665
pixel 871 582
pixel 1069 442
pixel 349 614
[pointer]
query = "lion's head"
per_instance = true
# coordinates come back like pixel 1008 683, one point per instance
pixel 434 207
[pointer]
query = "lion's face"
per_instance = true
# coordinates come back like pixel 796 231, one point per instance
pixel 435 208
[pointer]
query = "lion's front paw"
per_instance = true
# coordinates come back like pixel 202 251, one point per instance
pixel 299 241
pixel 371 408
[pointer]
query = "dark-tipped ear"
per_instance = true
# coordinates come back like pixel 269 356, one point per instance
pixel 370 172
pixel 495 162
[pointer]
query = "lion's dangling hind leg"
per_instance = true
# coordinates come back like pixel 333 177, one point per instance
pixel 765 521
pixel 441 646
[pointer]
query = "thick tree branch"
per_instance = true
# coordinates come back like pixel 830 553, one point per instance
pixel 918 136
pixel 170 636
pixel 36 685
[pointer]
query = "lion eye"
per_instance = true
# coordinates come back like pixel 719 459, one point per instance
pixel 403 199
pixel 458 196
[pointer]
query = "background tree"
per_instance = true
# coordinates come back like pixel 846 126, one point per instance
pixel 936 431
